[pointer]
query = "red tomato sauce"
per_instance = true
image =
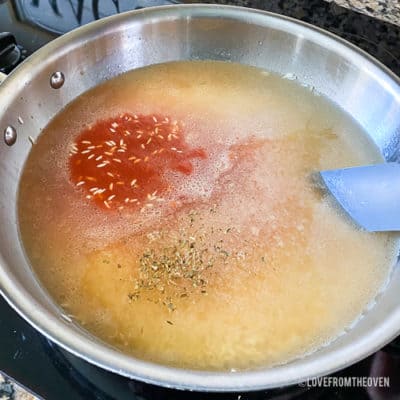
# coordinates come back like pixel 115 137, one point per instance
pixel 122 161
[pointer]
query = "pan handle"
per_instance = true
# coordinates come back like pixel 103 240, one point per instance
pixel 10 53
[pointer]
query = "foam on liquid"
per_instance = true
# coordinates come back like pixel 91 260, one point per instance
pixel 289 272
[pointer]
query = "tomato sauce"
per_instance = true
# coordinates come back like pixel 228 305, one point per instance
pixel 122 161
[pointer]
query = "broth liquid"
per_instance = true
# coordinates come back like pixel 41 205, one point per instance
pixel 242 263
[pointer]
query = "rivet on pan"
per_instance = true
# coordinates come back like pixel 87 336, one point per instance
pixel 57 79
pixel 10 135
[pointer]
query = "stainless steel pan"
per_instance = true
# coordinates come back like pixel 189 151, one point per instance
pixel 101 50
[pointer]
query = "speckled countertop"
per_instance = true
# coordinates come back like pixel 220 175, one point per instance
pixel 386 10
pixel 11 391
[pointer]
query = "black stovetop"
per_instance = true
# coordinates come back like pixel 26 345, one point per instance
pixel 50 372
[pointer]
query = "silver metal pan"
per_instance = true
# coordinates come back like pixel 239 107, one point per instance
pixel 106 48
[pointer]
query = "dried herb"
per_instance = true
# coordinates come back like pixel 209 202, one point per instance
pixel 176 270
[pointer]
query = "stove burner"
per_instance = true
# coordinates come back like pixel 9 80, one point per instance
pixel 60 16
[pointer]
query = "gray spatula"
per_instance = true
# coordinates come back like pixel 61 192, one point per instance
pixel 370 194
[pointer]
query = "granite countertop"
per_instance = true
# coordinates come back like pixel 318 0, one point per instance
pixel 386 10
pixel 11 391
